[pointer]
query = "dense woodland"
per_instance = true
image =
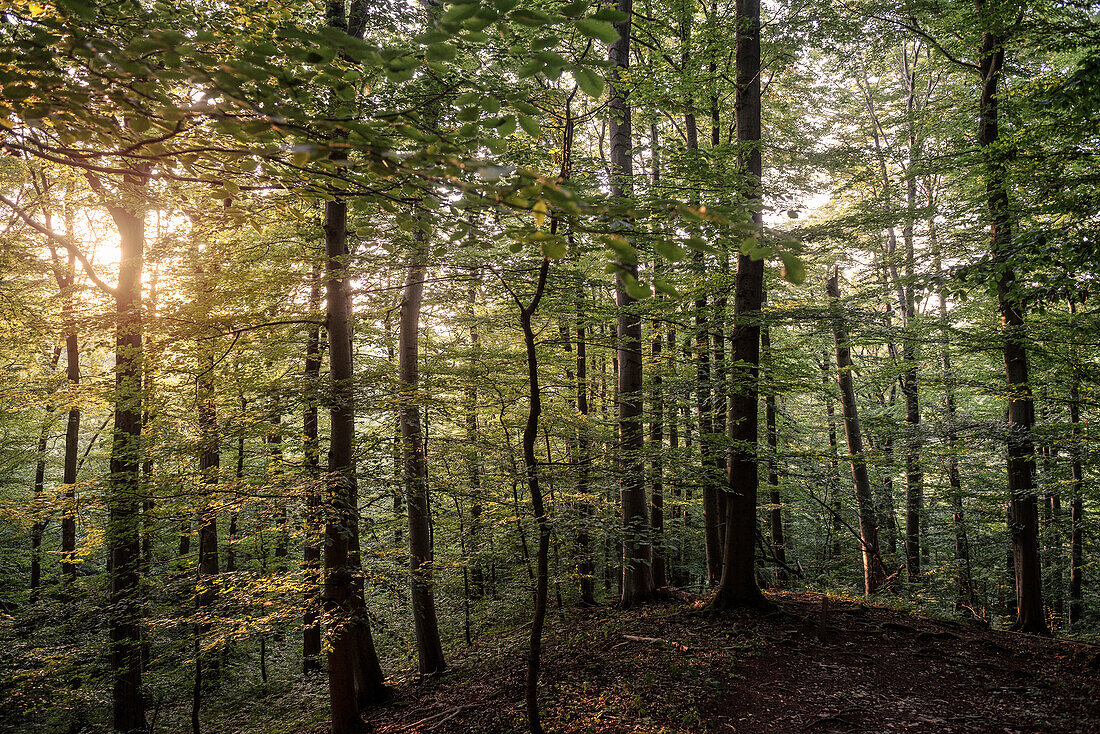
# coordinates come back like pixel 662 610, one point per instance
pixel 340 335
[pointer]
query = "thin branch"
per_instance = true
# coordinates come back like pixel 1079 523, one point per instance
pixel 63 241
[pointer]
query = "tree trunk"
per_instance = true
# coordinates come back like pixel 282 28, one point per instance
pixel 125 493
pixel 354 675
pixel 779 543
pixel 873 571
pixel 657 421
pixel 473 448
pixel 311 451
pixel 429 649
pixel 738 584
pixel 586 567
pixel 1023 514
pixel 72 429
pixel 209 468
pixel 530 433
pixel 637 578
pixel 1076 509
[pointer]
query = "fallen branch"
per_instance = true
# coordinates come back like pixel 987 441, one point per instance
pixel 657 640
pixel 446 716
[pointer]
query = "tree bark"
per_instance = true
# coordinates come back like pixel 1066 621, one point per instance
pixel 125 493
pixel 873 571
pixel 530 434
pixel 429 648
pixel 354 674
pixel 779 543
pixel 1077 477
pixel 637 578
pixel 311 451
pixel 738 584
pixel 1023 513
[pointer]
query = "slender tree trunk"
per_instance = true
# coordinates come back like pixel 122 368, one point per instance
pixel 231 541
pixel 429 648
pixel 311 451
pixel 39 527
pixel 833 504
pixel 964 585
pixel 657 421
pixel 738 584
pixel 586 567
pixel 779 543
pixel 873 572
pixel 1023 514
pixel 1076 508
pixel 530 433
pixel 473 447
pixel 209 468
pixel 72 429
pixel 637 577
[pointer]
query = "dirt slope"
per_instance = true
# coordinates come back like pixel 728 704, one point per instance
pixel 666 668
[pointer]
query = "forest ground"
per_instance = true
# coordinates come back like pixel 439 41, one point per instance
pixel 667 668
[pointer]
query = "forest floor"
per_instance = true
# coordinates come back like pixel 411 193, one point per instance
pixel 667 668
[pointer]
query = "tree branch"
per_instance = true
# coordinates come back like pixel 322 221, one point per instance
pixel 64 242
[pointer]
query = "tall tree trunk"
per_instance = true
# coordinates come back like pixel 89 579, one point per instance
pixel 914 475
pixel 833 504
pixel 637 577
pixel 355 677
pixel 586 567
pixel 712 541
pixel 209 468
pixel 738 584
pixel 779 543
pixel 473 448
pixel 964 585
pixel 311 453
pixel 428 646
pixel 657 420
pixel 1023 512
pixel 873 572
pixel 125 493
pixel 1077 477
pixel 530 433
pixel 72 428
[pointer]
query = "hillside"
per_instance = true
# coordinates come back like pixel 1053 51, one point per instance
pixel 667 668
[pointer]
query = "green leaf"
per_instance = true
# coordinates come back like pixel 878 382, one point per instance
pixel 506 126
pixel 611 14
pixel 491 105
pixel 625 253
pixel 794 270
pixel 597 29
pixel 590 82
pixel 637 290
pixel 530 125
pixel 669 250
pixel 440 52
pixel 529 69
pixel 541 44
pixel 529 17
pixel 553 248
pixel 458 13
pixel 665 287
pixel 575 9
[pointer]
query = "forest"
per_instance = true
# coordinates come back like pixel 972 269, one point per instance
pixel 529 365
